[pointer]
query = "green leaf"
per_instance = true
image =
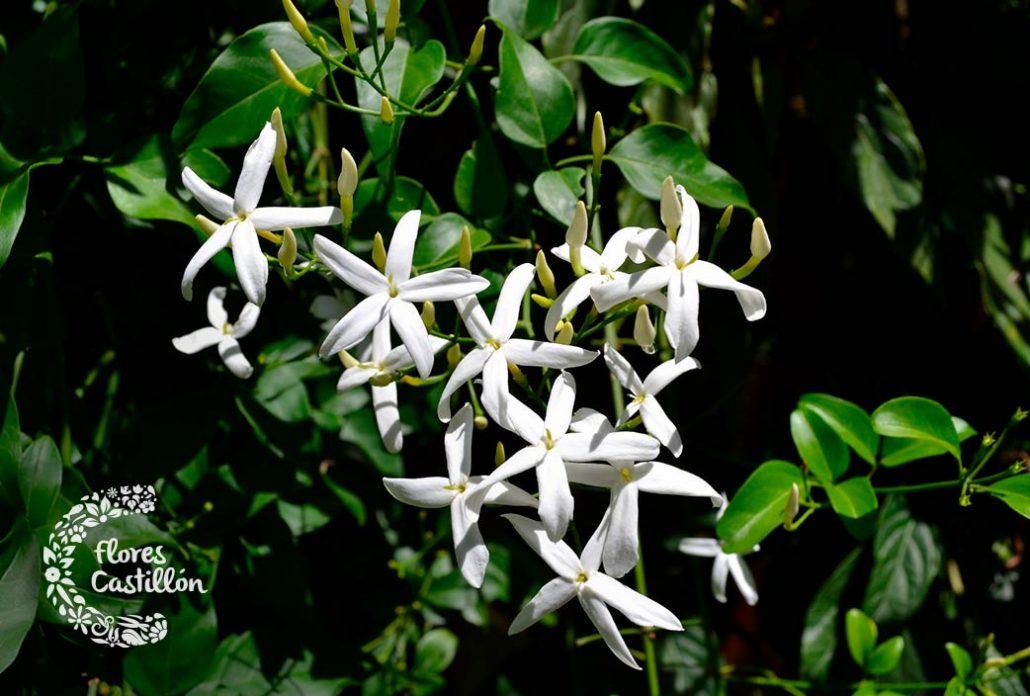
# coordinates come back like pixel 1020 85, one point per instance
pixel 360 430
pixel 529 18
pixel 481 184
pixel 40 479
pixel 961 659
pixel 350 500
pixel 758 506
pixel 819 639
pixel 902 450
pixel 649 154
pixel 692 657
pixel 407 195
pixel 301 519
pixel 209 166
pixel 440 240
pixel 955 687
pixel 282 392
pixel 180 660
pixel 886 656
pixel 496 582
pixel 1014 492
pixel 851 422
pixel 19 590
pixel 13 196
pixel 237 94
pixel 435 651
pixel 558 191
pixel 10 453
pixel 918 418
pixel 625 53
pixel 906 561
pixel 819 445
pixel 139 187
pixel 853 498
pixel 534 101
pixel 861 634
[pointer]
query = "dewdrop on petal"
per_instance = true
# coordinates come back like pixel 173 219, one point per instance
pixel 760 244
pixel 386 111
pixel 643 330
pixel 545 274
pixel 428 314
pixel 286 75
pixel 346 28
pixel 347 184
pixel 576 237
pixel 393 18
pixel 378 251
pixel 476 52
pixel 598 142
pixel 288 250
pixel 671 207
pixel 298 21
pixel 465 248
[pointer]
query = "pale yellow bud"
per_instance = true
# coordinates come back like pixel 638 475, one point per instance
pixel 480 422
pixel 499 456
pixel 379 251
pixel 476 52
pixel 576 235
pixel 393 18
pixel 288 250
pixel 541 301
pixel 760 244
pixel 286 75
pixel 465 248
pixel 643 330
pixel 383 379
pixel 564 336
pixel 280 133
pixel 346 28
pixel 671 207
pixel 209 226
pixel 598 143
pixel 793 505
pixel 348 360
pixel 454 356
pixel 428 314
pixel 724 220
pixel 298 21
pixel 386 111
pixel 545 274
pixel 347 183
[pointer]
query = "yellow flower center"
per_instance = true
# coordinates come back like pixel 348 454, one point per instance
pixel 227 328
pixel 626 473
pixel 582 577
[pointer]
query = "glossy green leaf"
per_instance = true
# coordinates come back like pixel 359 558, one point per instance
pixel 691 657
pixel 13 195
pixel 918 418
pixel 208 165
pixel 648 155
pixel 819 445
pixel 1014 492
pixel 861 635
pixel 819 639
pixel 757 508
pixel 481 184
pixel 557 191
pixel 902 450
pixel 407 195
pixel 282 392
pixel 906 561
pixel 10 453
pixel 960 659
pixel 851 422
pixel 886 656
pixel 439 241
pixel 534 100
pixel 361 431
pixel 237 94
pixel 19 589
pixel 139 187
pixel 623 52
pixel 529 18
pixel 435 651
pixel 40 479
pixel 853 498
pixel 955 687
pixel 180 660
pixel 352 501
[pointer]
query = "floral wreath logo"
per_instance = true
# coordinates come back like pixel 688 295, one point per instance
pixel 94 510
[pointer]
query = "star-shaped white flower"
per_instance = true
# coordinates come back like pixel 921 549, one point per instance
pixel 550 445
pixel 680 271
pixel 438 492
pixel 579 577
pixel 725 564
pixel 222 334
pixel 625 479
pixel 379 368
pixel 645 393
pixel 242 218
pixel 393 294
pixel 496 348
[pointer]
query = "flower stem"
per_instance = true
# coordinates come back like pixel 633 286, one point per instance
pixel 649 652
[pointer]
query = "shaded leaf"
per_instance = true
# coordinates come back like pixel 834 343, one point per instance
pixel 40 479
pixel 530 18
pixel 180 660
pixel 481 184
pixel 19 590
pixel 440 240
pixel 623 52
pixel 902 450
pixel 819 639
pixel 558 191
pixel 1014 492
pixel 861 635
pixel 435 651
pixel 853 498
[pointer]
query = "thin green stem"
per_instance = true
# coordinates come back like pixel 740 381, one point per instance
pixel 650 658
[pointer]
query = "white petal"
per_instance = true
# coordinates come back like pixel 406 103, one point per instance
pixel 215 202
pixel 556 554
pixel 589 259
pixel 622 370
pixel 663 375
pixel 523 460
pixel 349 268
pixel 620 547
pixel 752 301
pixel 655 477
pixel 658 424
pixel 681 318
pixel 402 247
pixel 560 404
pixel 233 357
pixel 590 557
pixel 407 322
pixel 504 493
pixel 586 474
pixel 605 625
pixel 355 377
pixel 399 359
pixel 614 447
pixel 381 341
pixel 742 576
pixel 522 351
pixel 614 254
pixel 509 303
pixel 457 445
pixel 355 324
pixel 551 597
pixel 570 298
pixel 251 266
pixel 198 340
pixel 474 318
pixel 445 285
pixel 211 246
pixel 428 492
pixel 388 416
pixel 247 320
pixel 255 168
pixel 720 569
pixel 276 218
pixel 556 502
pixel 216 313
pixel 639 609
pixel 689 233
pixel 470 366
pixel 521 419
pixel 607 295
pixel 587 420
pixel 655 244
pixel 700 546
pixel 469 548
pixel 495 396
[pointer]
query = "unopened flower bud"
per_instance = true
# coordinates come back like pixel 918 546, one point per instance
pixel 428 314
pixel 760 244
pixel 480 422
pixel 393 18
pixel 286 75
pixel 565 334
pixel 347 359
pixel 643 330
pixel 576 237
pixel 298 21
pixel 598 143
pixel 386 111
pixel 347 183
pixel 465 248
pixel 541 301
pixel 791 511
pixel 671 207
pixel 517 374
pixel 279 156
pixel 378 251
pixel 208 225
pixel 476 52
pixel 454 356
pixel 724 219
pixel 499 456
pixel 288 250
pixel 382 379
pixel 545 274
pixel 346 28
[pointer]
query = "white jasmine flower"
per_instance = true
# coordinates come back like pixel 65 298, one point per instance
pixel 645 393
pixel 379 368
pixel 222 334
pixel 496 348
pixel 550 446
pixel 438 492
pixel 393 294
pixel 242 218
pixel 680 271
pixel 625 479
pixel 725 564
pixel 579 577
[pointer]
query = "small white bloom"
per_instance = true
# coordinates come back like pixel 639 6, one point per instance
pixel 393 294
pixel 725 564
pixel 222 334
pixel 438 492
pixel 242 218
pixel 496 348
pixel 680 271
pixel 580 578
